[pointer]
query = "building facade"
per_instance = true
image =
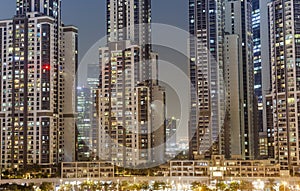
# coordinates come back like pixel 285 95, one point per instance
pixel 206 75
pixel 92 84
pixel 87 170
pixel 171 137
pixel 67 94
pixel 131 104
pixel 85 115
pixel 285 61
pixel 261 64
pixel 231 74
pixel 218 168
pixel 238 27
pixel 36 119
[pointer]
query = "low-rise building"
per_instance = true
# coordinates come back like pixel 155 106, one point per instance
pixel 95 169
pixel 218 167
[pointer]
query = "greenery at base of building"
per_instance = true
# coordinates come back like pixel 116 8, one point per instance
pixel 45 186
pixel 29 172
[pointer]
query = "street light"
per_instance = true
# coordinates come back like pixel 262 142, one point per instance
pixel 118 182
pixel 284 184
pixel 261 184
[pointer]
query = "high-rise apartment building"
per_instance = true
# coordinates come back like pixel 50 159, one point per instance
pixel 261 64
pixel 284 18
pixel 50 8
pixel 129 19
pixel 38 61
pixel 206 74
pixel 257 60
pixel 238 49
pixel 231 74
pixel 131 104
pixel 221 73
pixel 67 92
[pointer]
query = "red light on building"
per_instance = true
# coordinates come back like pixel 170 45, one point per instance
pixel 46 66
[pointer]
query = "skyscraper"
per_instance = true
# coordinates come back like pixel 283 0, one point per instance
pixel 238 52
pixel 221 72
pixel 261 64
pixel 206 74
pixel 92 84
pixel 37 72
pixel 129 19
pixel 131 103
pixel 50 8
pixel 85 122
pixel 284 18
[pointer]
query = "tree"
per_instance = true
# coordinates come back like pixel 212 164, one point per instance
pixel 124 185
pixel 66 187
pixel 221 186
pixel 16 187
pixel 135 186
pixel 270 184
pixel 245 185
pixel 157 185
pixel 144 185
pixel 198 186
pixel 234 186
pixel 105 185
pixel 45 186
pixel 283 187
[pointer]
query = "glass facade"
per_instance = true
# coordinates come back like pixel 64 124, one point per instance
pixel 257 60
pixel 86 110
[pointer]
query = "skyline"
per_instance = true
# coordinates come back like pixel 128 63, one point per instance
pixel 94 13
pixel 129 76
pixel 90 32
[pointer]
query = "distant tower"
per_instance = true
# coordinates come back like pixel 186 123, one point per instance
pixel 131 103
pixel 37 92
pixel 171 138
pixel 85 122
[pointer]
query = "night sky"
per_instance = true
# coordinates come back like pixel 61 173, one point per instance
pixel 89 16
